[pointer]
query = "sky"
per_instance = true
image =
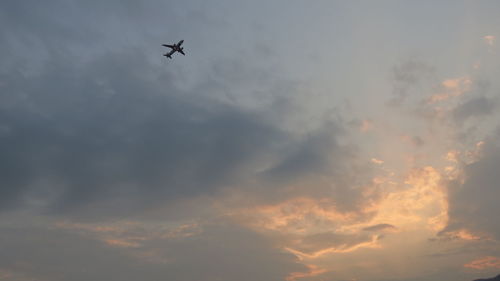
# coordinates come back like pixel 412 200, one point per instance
pixel 295 140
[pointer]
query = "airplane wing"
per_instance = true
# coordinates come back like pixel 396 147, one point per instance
pixel 180 42
pixel 182 52
pixel 170 46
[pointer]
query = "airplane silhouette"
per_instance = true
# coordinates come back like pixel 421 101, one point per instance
pixel 175 48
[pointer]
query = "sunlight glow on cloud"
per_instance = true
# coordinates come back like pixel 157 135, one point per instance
pixel 484 263
pixel 453 156
pixel 121 243
pixel 422 204
pixel 298 215
pixel 464 234
pixel 451 88
pixel 373 243
pixel 489 39
pixel 313 271
pixel 314 230
pixel 377 161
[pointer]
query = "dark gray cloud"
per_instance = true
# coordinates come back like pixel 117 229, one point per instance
pixel 310 156
pixel 115 133
pixel 474 202
pixel 475 107
pixel 117 129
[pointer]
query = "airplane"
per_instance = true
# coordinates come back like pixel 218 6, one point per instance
pixel 175 48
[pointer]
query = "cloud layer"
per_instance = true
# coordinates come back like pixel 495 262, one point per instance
pixel 274 150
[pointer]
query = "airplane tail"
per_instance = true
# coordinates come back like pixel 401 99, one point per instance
pixel 168 56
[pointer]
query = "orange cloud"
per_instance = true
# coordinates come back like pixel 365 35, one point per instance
pixel 489 39
pixel 121 243
pixel 476 153
pixel 421 203
pixel 464 234
pixel 453 155
pixel 450 88
pixel 298 215
pixel 313 271
pixel 341 249
pixel 484 263
pixel 310 228
pixel 315 230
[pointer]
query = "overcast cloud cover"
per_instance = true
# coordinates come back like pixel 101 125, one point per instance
pixel 295 141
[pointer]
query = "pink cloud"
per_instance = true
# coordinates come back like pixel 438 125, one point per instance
pixel 484 263
pixel 489 39
pixel 450 88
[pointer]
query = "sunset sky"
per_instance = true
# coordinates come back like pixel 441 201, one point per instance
pixel 295 141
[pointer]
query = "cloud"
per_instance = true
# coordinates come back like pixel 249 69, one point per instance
pixel 413 140
pixel 319 153
pixel 118 132
pixel 451 88
pixel 379 227
pixel 147 169
pixel 484 263
pixel 341 248
pixel 131 233
pixel 306 227
pixel 313 271
pixel 92 134
pixel 475 107
pixel 408 78
pixel 377 161
pixel 301 215
pixel 61 254
pixel 99 133
pixel 489 40
pixel 108 126
pixel 472 197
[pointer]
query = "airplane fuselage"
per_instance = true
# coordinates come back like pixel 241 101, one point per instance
pixel 177 48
